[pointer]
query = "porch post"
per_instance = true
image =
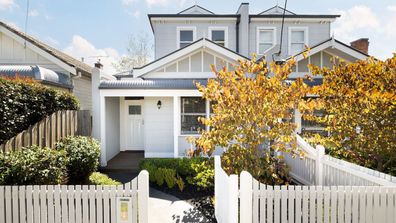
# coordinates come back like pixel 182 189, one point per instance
pixel 176 125
pixel 297 120
pixel 103 158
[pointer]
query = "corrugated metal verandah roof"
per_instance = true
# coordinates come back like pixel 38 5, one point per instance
pixel 152 84
pixel 176 84
pixel 38 73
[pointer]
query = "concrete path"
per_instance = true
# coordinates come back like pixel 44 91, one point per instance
pixel 166 208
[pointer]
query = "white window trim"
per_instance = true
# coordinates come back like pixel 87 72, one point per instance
pixel 187 28
pixel 302 28
pixel 219 28
pixel 258 29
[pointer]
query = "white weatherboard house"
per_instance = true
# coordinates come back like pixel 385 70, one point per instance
pixel 155 108
pixel 21 54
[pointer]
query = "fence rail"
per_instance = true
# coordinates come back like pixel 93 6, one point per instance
pixel 316 168
pixel 363 204
pixel 75 203
pixel 51 129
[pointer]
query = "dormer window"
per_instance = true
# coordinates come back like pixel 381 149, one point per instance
pixel 219 35
pixel 298 38
pixel 185 36
pixel 266 39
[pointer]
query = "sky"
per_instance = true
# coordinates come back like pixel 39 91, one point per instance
pixel 92 28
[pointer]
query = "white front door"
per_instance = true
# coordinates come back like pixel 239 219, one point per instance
pixel 134 126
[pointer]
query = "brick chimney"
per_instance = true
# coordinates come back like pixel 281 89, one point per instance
pixel 361 44
pixel 98 65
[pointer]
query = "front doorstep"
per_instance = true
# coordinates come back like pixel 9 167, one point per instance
pixel 158 155
pixel 126 161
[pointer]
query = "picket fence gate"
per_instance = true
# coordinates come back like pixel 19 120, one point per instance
pixel 75 203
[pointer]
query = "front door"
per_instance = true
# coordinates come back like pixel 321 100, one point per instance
pixel 134 126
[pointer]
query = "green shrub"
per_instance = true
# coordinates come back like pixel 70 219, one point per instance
pixel 23 102
pixel 97 178
pixel 197 171
pixel 82 156
pixel 32 166
pixel 203 174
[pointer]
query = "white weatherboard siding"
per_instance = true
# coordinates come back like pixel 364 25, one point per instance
pixel 82 90
pixel 14 53
pixel 317 32
pixel 158 126
pixel 112 127
pixel 166 34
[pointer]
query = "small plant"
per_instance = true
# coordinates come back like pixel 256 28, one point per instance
pixel 180 183
pixel 97 178
pixel 169 177
pixel 204 174
pixel 32 166
pixel 82 156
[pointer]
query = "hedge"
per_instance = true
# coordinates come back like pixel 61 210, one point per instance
pixel 32 166
pixel 24 102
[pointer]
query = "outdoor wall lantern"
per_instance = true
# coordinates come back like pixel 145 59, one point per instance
pixel 159 104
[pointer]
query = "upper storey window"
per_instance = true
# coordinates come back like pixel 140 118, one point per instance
pixel 298 38
pixel 185 36
pixel 219 35
pixel 266 37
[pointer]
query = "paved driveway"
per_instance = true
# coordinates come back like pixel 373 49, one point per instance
pixel 167 208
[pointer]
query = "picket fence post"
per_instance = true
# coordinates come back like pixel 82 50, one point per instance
pixel 233 193
pixel 246 197
pixel 320 153
pixel 143 195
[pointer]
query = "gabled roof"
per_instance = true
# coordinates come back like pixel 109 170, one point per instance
pixel 276 10
pixel 331 42
pixel 195 9
pixel 201 43
pixel 43 48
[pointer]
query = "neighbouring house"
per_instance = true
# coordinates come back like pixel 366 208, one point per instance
pixel 154 108
pixel 21 54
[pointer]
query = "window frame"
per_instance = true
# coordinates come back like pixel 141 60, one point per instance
pixel 185 28
pixel 295 28
pixel 204 114
pixel 274 42
pixel 219 28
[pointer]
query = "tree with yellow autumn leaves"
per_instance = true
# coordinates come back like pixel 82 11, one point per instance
pixel 359 100
pixel 253 109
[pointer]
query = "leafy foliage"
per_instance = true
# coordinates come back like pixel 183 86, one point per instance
pixel 82 156
pixel 97 178
pixel 252 107
pixel 203 175
pixel 31 166
pixel 24 102
pixel 197 171
pixel 360 103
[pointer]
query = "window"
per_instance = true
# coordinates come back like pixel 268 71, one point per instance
pixel 265 39
pixel 191 109
pixel 135 109
pixel 186 35
pixel 297 39
pixel 219 35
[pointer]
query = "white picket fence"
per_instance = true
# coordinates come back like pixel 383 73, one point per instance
pixel 267 204
pixel 226 195
pixel 316 168
pixel 363 204
pixel 75 203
